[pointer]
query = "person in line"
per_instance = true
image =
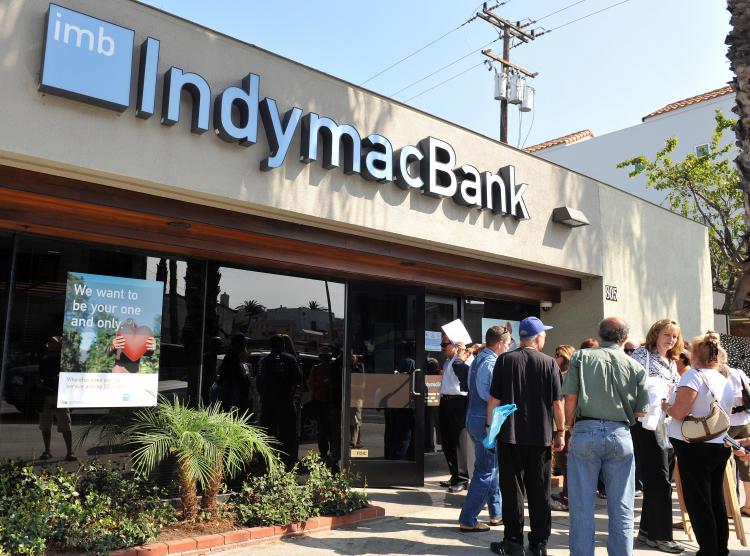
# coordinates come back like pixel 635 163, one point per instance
pixel 740 425
pixel 484 487
pixel 630 347
pixel 589 343
pixel 279 382
pixel 605 391
pixel 452 411
pixel 683 362
pixel 532 381
pixel 662 347
pixel 702 464
pixel 559 503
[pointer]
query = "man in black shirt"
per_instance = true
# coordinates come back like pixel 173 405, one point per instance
pixel 532 381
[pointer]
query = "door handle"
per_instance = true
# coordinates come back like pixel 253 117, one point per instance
pixel 414 383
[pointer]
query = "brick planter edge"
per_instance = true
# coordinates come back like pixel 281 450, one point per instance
pixel 239 538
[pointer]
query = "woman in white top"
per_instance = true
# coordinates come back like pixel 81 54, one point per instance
pixel 740 421
pixel 702 464
pixel 662 347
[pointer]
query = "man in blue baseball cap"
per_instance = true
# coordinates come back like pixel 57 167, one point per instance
pixel 531 380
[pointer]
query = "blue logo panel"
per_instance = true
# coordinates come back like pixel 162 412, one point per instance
pixel 87 59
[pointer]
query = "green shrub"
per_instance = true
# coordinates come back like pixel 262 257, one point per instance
pixel 329 493
pixel 98 510
pixel 277 499
pixel 271 499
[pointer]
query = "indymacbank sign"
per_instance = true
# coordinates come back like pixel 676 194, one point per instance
pixel 91 60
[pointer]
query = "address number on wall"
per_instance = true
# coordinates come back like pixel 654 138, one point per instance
pixel 610 293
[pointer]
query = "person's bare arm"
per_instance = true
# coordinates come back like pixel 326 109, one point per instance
pixel 559 417
pixel 683 403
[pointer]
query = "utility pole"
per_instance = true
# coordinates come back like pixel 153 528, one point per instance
pixel 509 30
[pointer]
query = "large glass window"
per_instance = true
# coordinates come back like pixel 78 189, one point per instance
pixel 281 340
pixel 32 427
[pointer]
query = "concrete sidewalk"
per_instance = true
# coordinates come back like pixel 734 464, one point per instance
pixel 424 521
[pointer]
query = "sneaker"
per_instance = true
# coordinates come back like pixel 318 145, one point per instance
pixel 643 537
pixel 458 487
pixel 538 549
pixel 667 546
pixel 45 455
pixel 557 506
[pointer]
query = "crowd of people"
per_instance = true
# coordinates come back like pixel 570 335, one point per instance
pixel 618 416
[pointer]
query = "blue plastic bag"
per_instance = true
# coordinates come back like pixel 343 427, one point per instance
pixel 499 414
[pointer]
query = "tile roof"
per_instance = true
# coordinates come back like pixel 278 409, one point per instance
pixel 564 140
pixel 688 101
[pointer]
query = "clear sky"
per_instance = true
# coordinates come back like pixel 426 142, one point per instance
pixel 603 73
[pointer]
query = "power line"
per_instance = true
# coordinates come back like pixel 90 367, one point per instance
pixel 538 19
pixel 441 37
pixel 586 16
pixel 444 81
pixel 454 62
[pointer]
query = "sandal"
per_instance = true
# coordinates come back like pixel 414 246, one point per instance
pixel 495 522
pixel 744 510
pixel 478 528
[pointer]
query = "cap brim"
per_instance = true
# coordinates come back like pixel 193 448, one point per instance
pixel 548 327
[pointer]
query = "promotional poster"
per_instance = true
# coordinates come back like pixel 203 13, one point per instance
pixel 110 346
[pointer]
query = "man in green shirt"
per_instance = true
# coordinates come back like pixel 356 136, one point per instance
pixel 605 390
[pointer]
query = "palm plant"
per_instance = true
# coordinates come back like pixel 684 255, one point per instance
pixel 207 443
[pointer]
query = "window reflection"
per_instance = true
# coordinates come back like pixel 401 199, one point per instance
pixel 280 340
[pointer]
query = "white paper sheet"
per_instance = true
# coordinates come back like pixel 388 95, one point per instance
pixel 456 332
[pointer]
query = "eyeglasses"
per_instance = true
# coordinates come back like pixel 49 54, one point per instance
pixel 629 350
pixel 445 344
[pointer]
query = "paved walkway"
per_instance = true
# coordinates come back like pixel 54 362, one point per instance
pixel 424 521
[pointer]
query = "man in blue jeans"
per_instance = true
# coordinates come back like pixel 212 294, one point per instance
pixel 605 390
pixel 484 487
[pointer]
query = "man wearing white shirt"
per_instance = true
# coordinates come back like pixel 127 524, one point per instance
pixel 452 410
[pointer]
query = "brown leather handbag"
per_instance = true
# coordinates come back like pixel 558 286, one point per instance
pixel 713 425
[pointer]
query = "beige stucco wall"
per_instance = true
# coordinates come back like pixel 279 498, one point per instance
pixel 61 136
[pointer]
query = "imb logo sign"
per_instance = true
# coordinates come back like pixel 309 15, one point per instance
pixel 87 59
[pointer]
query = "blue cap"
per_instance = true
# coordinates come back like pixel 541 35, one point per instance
pixel 531 326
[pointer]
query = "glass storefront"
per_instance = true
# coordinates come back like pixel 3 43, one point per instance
pixel 366 357
pixel 217 325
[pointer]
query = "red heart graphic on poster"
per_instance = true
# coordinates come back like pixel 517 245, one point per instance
pixel 135 340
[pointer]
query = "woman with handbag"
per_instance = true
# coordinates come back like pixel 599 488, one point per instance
pixel 700 411
pixel 658 354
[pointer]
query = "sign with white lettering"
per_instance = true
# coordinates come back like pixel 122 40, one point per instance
pixel 110 343
pixel 87 59
pixel 90 60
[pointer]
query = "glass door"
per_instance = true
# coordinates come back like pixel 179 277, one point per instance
pixel 385 384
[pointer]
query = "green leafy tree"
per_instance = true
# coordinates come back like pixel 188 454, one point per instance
pixel 705 189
